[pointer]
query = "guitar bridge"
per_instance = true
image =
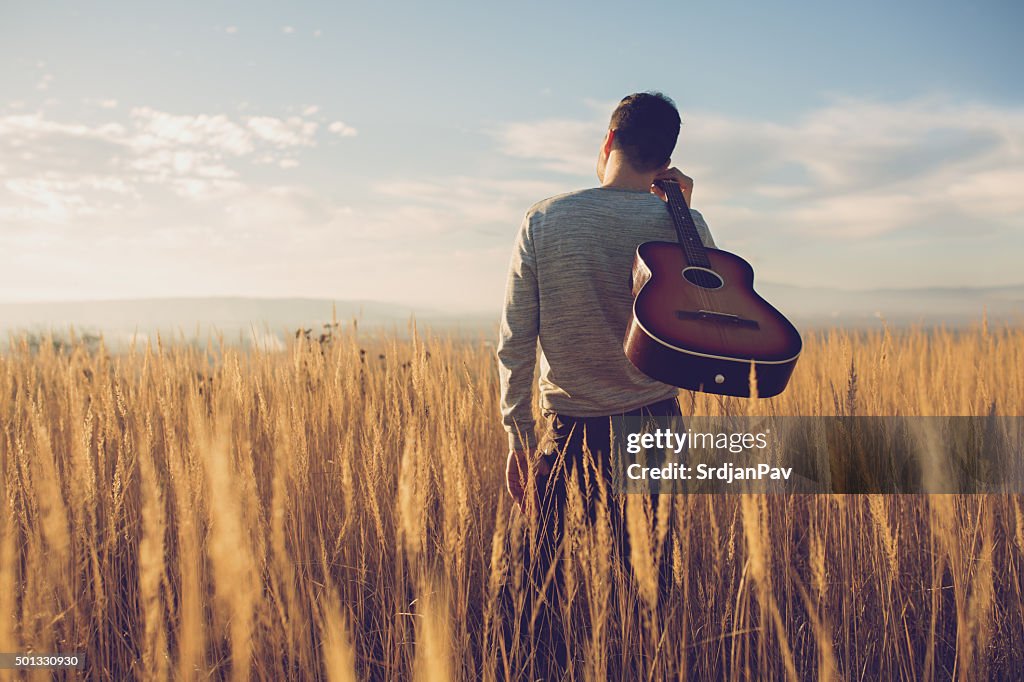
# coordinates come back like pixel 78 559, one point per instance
pixel 715 316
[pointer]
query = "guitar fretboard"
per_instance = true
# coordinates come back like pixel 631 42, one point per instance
pixel 689 238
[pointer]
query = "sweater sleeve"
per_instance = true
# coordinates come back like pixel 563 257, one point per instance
pixel 517 345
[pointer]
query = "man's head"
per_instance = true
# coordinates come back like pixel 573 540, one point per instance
pixel 644 128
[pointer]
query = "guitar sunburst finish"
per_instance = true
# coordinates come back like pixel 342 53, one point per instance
pixel 697 321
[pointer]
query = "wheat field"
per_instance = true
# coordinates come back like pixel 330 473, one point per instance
pixel 337 511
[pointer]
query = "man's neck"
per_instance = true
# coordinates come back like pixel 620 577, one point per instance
pixel 619 176
pixel 632 187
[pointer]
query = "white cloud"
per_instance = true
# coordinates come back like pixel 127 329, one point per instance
pixel 173 165
pixel 231 30
pixel 280 206
pixel 158 129
pixel 291 132
pixel 996 192
pixel 339 128
pixel 852 168
pixel 563 145
pixel 210 203
pixel 472 201
pixel 30 127
pixel 55 170
pixel 288 29
pixel 52 199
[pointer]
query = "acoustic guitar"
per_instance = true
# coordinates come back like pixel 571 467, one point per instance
pixel 697 321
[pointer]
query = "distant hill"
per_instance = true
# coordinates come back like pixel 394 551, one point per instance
pixel 241 320
pixel 952 306
pixel 269 321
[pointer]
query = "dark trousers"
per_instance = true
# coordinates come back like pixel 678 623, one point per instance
pixel 581 452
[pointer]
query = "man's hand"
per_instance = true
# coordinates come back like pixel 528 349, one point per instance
pixel 685 183
pixel 518 472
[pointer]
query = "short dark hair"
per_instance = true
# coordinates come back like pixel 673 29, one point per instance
pixel 646 126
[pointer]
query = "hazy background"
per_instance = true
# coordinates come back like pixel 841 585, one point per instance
pixel 866 158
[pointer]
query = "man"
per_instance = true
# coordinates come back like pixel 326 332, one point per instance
pixel 569 287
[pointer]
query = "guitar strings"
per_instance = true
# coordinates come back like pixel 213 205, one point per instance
pixel 676 210
pixel 671 188
pixel 706 296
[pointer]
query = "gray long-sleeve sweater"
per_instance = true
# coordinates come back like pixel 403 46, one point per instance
pixel 569 286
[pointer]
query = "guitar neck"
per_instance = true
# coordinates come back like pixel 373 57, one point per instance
pixel 689 237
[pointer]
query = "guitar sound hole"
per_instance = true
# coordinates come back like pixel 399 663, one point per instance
pixel 703 278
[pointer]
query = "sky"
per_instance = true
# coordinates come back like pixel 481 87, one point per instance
pixel 388 151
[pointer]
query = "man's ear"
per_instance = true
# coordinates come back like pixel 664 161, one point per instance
pixel 609 139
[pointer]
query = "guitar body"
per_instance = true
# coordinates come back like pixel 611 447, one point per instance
pixel 700 327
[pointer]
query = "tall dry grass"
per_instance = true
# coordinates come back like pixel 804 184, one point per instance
pixel 337 511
